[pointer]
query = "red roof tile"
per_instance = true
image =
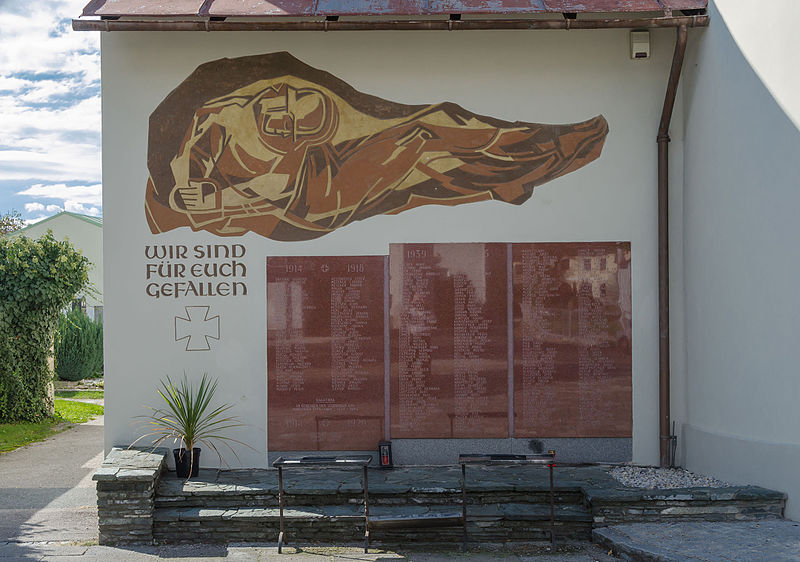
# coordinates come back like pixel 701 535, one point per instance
pixel 297 8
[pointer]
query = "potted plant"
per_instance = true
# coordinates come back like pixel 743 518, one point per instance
pixel 188 419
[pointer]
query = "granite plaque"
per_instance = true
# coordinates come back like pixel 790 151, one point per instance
pixel 325 352
pixel 572 339
pixel 449 339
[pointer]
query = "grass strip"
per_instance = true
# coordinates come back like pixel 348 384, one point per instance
pixel 77 412
pixel 15 435
pixel 93 394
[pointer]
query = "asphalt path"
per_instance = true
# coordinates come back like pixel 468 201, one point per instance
pixel 46 488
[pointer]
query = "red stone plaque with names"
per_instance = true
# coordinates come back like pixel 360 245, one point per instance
pixel 449 344
pixel 572 339
pixel 325 353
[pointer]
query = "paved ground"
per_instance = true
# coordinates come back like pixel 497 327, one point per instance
pixel 46 489
pixel 773 541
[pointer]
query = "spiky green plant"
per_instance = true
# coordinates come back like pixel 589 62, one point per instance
pixel 187 418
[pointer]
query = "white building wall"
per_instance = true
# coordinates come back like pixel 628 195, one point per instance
pixel 540 76
pixel 742 259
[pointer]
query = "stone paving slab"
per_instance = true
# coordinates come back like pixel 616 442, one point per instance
pixel 576 552
pixel 619 493
pixel 511 511
pixel 401 480
pixel 39 550
pixel 769 541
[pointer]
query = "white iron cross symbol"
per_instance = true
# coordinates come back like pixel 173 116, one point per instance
pixel 197 328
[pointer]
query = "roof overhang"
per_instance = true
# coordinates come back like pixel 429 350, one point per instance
pixel 353 15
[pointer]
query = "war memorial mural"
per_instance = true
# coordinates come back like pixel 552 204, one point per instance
pixel 435 340
pixel 268 144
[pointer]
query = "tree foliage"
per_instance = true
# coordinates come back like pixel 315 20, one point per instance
pixel 78 347
pixel 10 221
pixel 38 279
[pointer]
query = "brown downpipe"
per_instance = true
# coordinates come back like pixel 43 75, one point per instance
pixel 663 247
pixel 383 25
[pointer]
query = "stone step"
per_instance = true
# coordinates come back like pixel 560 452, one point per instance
pixel 421 520
pixel 260 489
pixel 504 503
pixel 346 523
pixel 511 511
pixel 611 506
pixel 268 500
pixel 404 480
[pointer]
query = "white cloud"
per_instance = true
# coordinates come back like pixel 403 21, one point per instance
pixel 76 195
pixel 66 162
pixel 81 199
pixel 46 89
pixel 14 84
pixel 49 103
pixel 33 36
pixel 35 220
pixel 79 208
pixel 83 115
pixel 50 144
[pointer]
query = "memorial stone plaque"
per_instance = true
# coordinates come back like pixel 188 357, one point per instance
pixel 572 339
pixel 325 352
pixel 449 338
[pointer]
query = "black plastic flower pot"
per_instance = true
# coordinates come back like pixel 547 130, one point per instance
pixel 183 461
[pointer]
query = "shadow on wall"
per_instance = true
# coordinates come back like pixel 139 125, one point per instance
pixel 715 51
pixel 741 197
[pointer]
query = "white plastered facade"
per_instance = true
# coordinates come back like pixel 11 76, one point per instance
pixel 538 76
pixel 739 412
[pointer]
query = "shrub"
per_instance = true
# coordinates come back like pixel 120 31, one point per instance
pixel 78 347
pixel 38 278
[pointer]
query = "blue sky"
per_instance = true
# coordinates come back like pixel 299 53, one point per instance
pixel 49 110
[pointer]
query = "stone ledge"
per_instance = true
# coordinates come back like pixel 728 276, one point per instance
pixel 507 512
pixel 503 504
pixel 134 465
pixel 613 506
pixel 126 483
pixel 419 480
pixel 352 530
pixel 627 495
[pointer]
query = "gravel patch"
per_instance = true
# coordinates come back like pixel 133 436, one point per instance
pixel 654 478
pixel 85 384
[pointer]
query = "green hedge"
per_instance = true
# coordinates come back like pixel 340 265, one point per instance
pixel 38 278
pixel 79 347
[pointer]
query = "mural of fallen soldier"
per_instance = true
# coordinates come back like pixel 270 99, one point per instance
pixel 299 154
